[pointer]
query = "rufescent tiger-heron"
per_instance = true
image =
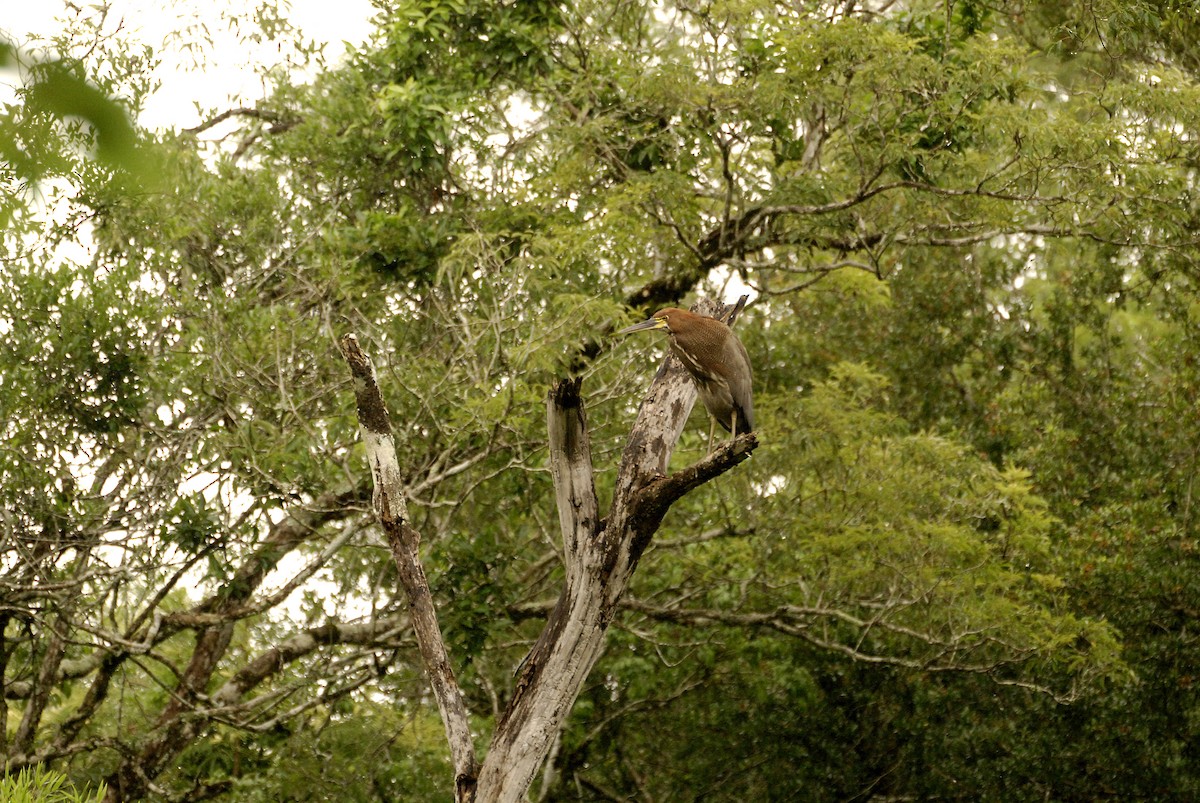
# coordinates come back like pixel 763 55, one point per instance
pixel 717 361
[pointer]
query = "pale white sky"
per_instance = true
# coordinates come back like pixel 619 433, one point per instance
pixel 229 69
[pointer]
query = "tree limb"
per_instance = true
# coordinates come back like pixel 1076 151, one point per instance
pixel 278 124
pixel 388 500
pixel 601 558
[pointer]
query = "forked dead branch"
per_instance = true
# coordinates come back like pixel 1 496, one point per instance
pixel 601 555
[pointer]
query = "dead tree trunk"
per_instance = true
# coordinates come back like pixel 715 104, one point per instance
pixel 601 556
pixel 392 510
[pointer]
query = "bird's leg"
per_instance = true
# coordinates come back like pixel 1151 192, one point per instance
pixel 712 431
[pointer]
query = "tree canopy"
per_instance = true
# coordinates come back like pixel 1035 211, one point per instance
pixel 961 563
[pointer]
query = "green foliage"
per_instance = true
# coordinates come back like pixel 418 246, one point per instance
pixel 59 108
pixel 367 753
pixel 44 786
pixel 959 565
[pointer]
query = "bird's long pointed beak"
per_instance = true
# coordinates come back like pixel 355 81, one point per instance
pixel 653 323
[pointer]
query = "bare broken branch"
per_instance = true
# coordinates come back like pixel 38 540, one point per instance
pixel 388 499
pixel 601 558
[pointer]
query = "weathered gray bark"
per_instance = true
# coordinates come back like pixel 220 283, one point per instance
pixel 392 510
pixel 601 556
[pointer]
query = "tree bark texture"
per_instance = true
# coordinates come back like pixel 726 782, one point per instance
pixel 600 554
pixel 391 508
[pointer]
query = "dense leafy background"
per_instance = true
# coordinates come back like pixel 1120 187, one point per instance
pixel 962 564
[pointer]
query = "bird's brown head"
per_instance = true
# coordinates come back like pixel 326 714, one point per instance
pixel 670 320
